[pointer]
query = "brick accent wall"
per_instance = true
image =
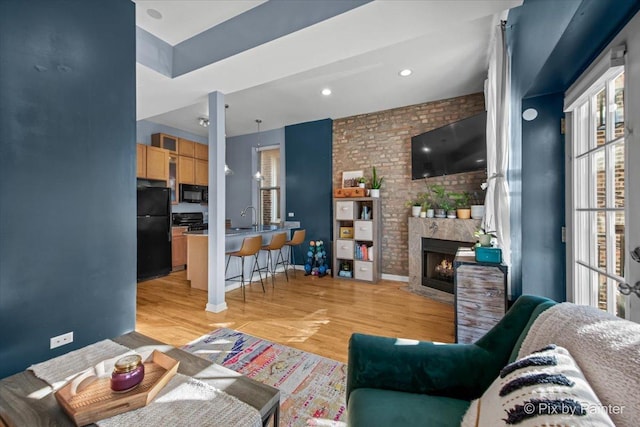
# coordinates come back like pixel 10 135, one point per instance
pixel 383 139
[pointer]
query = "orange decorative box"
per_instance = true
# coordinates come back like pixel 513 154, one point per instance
pixel 349 192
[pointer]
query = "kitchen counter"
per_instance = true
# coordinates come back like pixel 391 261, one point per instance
pixel 198 249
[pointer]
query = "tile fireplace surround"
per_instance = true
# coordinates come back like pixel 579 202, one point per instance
pixel 435 228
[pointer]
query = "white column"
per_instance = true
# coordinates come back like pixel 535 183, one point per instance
pixel 216 302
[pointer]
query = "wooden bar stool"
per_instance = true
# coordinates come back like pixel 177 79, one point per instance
pixel 250 246
pixel 296 240
pixel 276 244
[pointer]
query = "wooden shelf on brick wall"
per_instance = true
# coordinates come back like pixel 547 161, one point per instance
pixel 357 241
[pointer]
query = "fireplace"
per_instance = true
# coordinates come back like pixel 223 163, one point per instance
pixel 437 263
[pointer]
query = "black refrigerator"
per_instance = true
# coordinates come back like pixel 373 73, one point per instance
pixel 154 232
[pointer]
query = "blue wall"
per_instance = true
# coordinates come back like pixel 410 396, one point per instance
pixel 309 177
pixel 241 188
pixel 543 207
pixel 551 43
pixel 67 175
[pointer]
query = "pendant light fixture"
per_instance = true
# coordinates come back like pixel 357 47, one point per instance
pixel 227 169
pixel 258 175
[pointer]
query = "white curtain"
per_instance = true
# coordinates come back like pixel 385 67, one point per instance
pixel 497 98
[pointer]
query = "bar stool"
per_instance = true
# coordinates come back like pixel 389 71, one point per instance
pixel 250 246
pixel 296 240
pixel 276 244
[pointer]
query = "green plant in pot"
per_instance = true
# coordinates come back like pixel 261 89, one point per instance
pixel 440 200
pixel 362 182
pixel 463 209
pixel 484 237
pixel 415 205
pixel 376 183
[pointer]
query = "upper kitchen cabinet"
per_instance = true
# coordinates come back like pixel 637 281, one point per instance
pixel 141 160
pixel 186 148
pixel 201 151
pixel 186 170
pixel 157 163
pixel 162 140
pixel 201 172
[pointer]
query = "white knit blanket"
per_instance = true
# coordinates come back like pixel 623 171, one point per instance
pixel 606 348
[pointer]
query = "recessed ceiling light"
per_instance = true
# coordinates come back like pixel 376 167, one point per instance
pixel 326 92
pixel 406 72
pixel 155 14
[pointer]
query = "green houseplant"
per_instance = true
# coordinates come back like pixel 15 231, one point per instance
pixel 376 183
pixel 463 210
pixel 362 182
pixel 440 200
pixel 415 206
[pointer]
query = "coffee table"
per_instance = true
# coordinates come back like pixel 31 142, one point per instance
pixel 21 403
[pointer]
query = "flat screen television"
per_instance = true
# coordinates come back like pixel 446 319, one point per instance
pixel 457 147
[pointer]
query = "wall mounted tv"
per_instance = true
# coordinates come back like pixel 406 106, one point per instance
pixel 457 147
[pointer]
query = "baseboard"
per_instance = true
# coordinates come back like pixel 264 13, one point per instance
pixel 395 277
pixel 217 308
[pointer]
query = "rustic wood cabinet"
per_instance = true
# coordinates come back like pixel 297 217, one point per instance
pixel 178 248
pixel 480 296
pixel 162 140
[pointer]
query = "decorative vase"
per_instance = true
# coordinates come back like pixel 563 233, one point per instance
pixel 477 211
pixel 375 192
pixel 430 213
pixel 441 213
pixel 415 211
pixel 423 214
pixel 451 214
pixel 464 213
pixel 484 239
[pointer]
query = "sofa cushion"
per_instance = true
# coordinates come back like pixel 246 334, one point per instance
pixel 534 315
pixel 545 388
pixel 606 348
pixel 376 407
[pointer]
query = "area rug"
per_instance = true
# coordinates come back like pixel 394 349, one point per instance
pixel 312 388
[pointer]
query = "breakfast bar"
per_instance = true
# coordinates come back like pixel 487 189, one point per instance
pixel 197 252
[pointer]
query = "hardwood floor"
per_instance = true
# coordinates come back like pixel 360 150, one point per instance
pixel 313 314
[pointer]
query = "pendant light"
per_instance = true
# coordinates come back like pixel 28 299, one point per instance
pixel 227 169
pixel 258 175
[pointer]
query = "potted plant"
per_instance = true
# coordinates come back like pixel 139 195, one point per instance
pixel 362 182
pixel 415 206
pixel 449 207
pixel 484 237
pixel 376 183
pixel 426 211
pixel 463 210
pixel 440 200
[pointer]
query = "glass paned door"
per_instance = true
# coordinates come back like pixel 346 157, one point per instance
pixel 598 168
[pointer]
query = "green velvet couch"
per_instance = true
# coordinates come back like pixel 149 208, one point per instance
pixel 394 382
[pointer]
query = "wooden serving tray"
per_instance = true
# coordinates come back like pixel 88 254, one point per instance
pixel 97 401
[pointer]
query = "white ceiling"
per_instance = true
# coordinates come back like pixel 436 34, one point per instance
pixel 357 54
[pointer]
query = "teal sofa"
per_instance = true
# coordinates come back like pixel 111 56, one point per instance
pixel 393 382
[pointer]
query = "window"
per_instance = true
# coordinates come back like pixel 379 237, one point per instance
pixel 598 193
pixel 269 194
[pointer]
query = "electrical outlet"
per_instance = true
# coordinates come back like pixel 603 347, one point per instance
pixel 291 215
pixel 61 340
pixel 564 234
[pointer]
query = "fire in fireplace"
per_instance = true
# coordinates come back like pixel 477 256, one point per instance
pixel 437 263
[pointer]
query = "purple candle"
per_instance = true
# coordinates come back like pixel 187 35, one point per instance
pixel 127 373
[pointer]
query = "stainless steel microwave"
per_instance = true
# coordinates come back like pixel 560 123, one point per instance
pixel 194 193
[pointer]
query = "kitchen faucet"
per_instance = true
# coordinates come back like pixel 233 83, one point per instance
pixel 244 213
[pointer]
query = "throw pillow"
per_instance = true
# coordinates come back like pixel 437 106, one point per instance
pixel 545 388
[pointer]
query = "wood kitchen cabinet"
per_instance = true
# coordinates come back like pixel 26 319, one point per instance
pixel 186 148
pixel 186 170
pixel 201 151
pixel 141 160
pixel 201 172
pixel 157 163
pixel 162 140
pixel 178 248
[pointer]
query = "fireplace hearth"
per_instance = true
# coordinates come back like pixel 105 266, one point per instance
pixel 437 263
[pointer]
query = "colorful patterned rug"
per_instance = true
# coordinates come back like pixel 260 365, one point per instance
pixel 312 387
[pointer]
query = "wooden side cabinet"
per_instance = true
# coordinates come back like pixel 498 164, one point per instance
pixel 178 248
pixel 157 163
pixel 186 148
pixel 480 296
pixel 141 160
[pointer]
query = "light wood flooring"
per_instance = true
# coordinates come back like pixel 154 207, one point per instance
pixel 309 313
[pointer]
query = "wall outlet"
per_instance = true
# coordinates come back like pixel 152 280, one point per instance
pixel 564 234
pixel 290 215
pixel 61 340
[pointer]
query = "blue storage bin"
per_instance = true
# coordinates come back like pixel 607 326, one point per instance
pixel 488 255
